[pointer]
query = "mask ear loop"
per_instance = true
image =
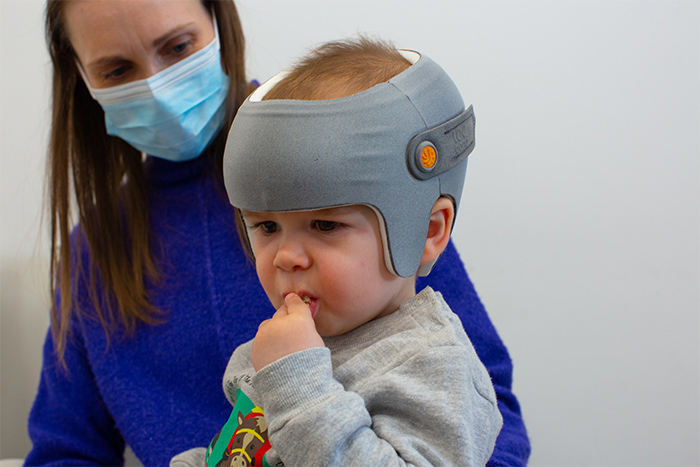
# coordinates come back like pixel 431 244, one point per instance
pixel 84 76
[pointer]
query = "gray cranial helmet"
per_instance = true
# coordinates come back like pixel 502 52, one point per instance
pixel 396 147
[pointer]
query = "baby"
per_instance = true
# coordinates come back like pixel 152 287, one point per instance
pixel 347 171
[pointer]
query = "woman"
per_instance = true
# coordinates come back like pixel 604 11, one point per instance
pixel 153 291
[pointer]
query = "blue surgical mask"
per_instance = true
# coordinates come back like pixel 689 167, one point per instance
pixel 173 114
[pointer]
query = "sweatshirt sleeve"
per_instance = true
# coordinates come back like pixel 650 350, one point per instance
pixel 69 423
pixel 450 278
pixel 193 458
pixel 313 420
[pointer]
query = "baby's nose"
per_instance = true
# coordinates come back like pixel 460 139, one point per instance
pixel 292 256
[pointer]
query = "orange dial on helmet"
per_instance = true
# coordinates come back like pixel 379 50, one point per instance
pixel 428 157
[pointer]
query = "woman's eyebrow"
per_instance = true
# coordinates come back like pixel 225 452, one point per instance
pixel 157 43
pixel 104 61
pixel 160 40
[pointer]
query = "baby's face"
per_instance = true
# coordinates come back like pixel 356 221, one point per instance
pixel 333 257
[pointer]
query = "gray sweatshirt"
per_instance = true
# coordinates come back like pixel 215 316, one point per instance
pixel 405 389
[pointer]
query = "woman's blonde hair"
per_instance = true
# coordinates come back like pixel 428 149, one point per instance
pixel 105 179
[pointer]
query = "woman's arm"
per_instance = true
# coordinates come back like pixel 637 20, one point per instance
pixel 450 278
pixel 69 423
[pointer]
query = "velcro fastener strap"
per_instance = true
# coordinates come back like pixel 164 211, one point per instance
pixel 451 143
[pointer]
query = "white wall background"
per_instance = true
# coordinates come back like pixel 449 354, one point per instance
pixel 581 217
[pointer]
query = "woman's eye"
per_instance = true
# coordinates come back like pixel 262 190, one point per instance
pixel 115 74
pixel 326 226
pixel 180 48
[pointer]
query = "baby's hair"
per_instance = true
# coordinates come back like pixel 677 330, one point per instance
pixel 339 69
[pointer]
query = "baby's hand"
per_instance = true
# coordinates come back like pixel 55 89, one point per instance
pixel 290 330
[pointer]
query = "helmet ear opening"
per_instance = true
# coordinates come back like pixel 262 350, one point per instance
pixel 385 240
pixel 243 236
pixel 424 269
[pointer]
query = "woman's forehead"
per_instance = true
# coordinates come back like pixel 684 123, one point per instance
pixel 104 28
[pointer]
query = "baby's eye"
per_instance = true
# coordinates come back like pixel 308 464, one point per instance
pixel 268 227
pixel 326 226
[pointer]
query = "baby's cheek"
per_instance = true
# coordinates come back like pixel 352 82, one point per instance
pixel 268 284
pixel 338 288
pixel 362 288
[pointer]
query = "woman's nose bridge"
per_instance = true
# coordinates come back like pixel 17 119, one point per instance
pixel 149 67
pixel 148 62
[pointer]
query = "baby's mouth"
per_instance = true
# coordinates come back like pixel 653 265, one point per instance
pixel 311 303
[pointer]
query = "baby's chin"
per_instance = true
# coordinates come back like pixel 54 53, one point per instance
pixel 327 329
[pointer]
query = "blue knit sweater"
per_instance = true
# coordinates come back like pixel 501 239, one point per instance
pixel 160 391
